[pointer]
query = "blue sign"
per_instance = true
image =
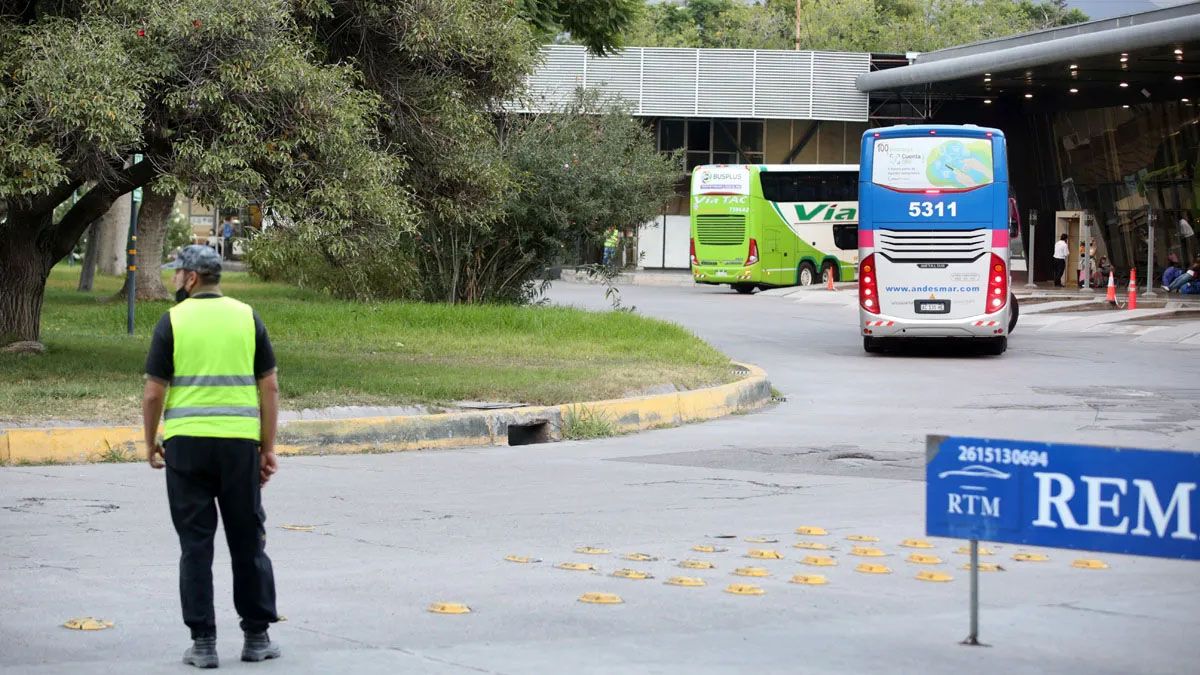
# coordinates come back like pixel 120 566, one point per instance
pixel 1119 500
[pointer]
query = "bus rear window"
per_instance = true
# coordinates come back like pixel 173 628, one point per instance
pixel 824 186
pixel 932 162
pixel 845 237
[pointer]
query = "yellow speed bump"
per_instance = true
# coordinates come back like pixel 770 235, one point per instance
pixel 601 598
pixel 639 557
pixel 685 581
pixel 1090 564
pixel 920 559
pixel 819 561
pixel 862 537
pixel 708 548
pixel 985 567
pixel 752 572
pixel 1030 557
pixel 761 540
pixel 810 579
pixel 87 623
pixel 764 554
pixel 299 528
pixel 916 543
pixel 811 545
pixel 744 589
pixel 696 565
pixel 523 559
pixel 868 568
pixel 867 552
pixel 931 575
pixel 966 550
pixel 576 566
pixel 632 574
pixel 449 608
pixel 591 550
pixel 811 531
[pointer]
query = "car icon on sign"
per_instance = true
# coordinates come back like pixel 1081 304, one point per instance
pixel 976 471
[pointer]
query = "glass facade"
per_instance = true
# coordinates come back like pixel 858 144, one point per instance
pixel 1128 166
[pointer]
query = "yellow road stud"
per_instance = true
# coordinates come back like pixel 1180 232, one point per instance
pixel 868 568
pixel 299 528
pixel 696 565
pixel 449 608
pixel 811 531
pixel 576 567
pixel 761 540
pixel 811 545
pixel 867 552
pixel 916 543
pixel 1090 564
pixel 752 572
pixel 919 559
pixel 708 548
pixel 764 554
pixel 744 589
pixel 639 557
pixel 985 567
pixel 87 623
pixel 930 575
pixel 966 550
pixel 810 579
pixel 632 574
pixel 862 537
pixel 523 559
pixel 601 598
pixel 685 581
pixel 591 550
pixel 819 561
pixel 1030 557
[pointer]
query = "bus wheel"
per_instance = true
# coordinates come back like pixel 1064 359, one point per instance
pixel 807 274
pixel 1014 311
pixel 827 269
pixel 996 346
pixel 871 345
pixel 744 289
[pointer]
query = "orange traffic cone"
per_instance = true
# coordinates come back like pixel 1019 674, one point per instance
pixel 829 279
pixel 1132 303
pixel 1112 290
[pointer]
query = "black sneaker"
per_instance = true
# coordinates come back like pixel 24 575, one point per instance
pixel 202 653
pixel 258 647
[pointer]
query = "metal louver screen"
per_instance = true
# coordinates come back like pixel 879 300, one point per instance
pixel 617 76
pixel 785 85
pixel 726 83
pixel 720 229
pixel 834 95
pixel 669 82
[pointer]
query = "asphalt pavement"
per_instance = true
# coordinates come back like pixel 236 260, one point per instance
pixel 375 539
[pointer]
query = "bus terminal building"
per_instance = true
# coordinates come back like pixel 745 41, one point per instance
pixel 1101 117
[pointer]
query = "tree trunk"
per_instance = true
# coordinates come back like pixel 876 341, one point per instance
pixel 114 226
pixel 23 272
pixel 87 273
pixel 151 232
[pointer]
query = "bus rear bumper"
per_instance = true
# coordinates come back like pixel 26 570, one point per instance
pixel 724 275
pixel 984 326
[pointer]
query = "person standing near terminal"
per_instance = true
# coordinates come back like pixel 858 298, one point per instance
pixel 212 369
pixel 1061 251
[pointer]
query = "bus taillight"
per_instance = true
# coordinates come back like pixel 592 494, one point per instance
pixel 868 287
pixel 692 251
pixel 753 257
pixel 997 293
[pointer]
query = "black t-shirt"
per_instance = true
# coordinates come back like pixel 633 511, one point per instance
pixel 160 362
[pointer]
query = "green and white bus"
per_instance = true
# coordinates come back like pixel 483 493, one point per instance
pixel 769 225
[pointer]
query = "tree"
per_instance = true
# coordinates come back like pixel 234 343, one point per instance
pixel 224 100
pixel 598 24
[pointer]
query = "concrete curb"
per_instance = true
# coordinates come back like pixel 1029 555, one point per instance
pixel 534 424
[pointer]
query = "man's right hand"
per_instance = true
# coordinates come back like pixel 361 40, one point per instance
pixel 154 455
pixel 268 465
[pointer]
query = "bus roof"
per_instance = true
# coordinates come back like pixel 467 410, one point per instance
pixel 794 168
pixel 968 130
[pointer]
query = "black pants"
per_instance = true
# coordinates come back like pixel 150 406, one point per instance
pixel 199 471
pixel 1060 268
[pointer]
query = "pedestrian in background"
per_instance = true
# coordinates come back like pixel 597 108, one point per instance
pixel 212 368
pixel 227 237
pixel 610 246
pixel 1061 251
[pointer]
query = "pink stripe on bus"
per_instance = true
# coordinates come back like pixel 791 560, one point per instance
pixel 866 238
pixel 999 238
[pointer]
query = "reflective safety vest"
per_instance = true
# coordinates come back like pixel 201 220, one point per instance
pixel 213 392
pixel 613 238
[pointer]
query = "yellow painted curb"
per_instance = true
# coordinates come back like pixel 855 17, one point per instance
pixel 77 445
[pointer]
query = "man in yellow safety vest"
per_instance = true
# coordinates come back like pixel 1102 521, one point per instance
pixel 212 369
pixel 610 245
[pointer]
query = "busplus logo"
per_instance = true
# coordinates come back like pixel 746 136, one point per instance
pixel 816 213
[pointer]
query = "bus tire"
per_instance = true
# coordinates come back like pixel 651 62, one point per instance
pixel 996 346
pixel 1014 311
pixel 871 345
pixel 744 289
pixel 806 274
pixel 829 267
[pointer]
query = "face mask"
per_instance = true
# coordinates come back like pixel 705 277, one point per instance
pixel 181 295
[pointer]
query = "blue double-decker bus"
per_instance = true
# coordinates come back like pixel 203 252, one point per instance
pixel 933 235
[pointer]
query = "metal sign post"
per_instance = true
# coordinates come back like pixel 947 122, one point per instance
pixel 1029 281
pixel 1087 253
pixel 1149 253
pixel 131 256
pixel 973 638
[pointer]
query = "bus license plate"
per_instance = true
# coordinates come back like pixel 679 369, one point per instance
pixel 933 306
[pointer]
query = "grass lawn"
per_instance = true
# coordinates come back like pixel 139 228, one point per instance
pixel 338 353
